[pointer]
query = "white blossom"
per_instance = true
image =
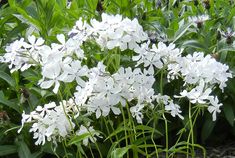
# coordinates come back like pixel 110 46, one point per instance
pixel 194 68
pixel 198 94
pixel 170 106
pixel 50 122
pixel 157 56
pixel 198 20
pixel 214 107
pixel 89 130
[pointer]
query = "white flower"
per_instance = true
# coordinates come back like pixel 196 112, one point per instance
pixel 196 67
pixel 81 31
pixel 198 20
pixel 52 72
pixel 50 122
pixel 34 44
pixel 228 34
pixel 17 56
pixel 156 56
pixel 174 109
pixel 62 45
pixel 169 105
pixel 91 134
pixel 197 94
pixel 74 71
pixel 114 31
pixel 214 107
pixel 136 112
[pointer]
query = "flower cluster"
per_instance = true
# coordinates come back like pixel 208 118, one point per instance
pixel 21 55
pixel 104 91
pixel 50 122
pixel 201 73
pixel 194 68
pixel 54 123
pixel 170 106
pixel 157 56
pixel 113 31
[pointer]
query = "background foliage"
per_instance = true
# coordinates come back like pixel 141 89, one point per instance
pixel 162 18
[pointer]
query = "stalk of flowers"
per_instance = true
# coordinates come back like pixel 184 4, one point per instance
pixel 156 56
pixel 112 31
pixel 103 92
pixel 55 123
pixel 50 122
pixel 56 60
pixel 202 74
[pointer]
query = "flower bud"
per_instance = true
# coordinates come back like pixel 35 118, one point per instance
pixel 207 4
pixel 229 40
pixel 195 2
pixel 199 24
pixel 218 36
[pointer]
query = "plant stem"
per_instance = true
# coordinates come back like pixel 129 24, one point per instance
pixel 166 131
pixel 91 151
pixel 155 146
pixel 66 154
pixel 135 153
pixel 124 121
pixel 191 130
pixel 107 128
pixel 165 120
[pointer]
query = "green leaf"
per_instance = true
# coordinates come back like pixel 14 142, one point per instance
pixel 120 152
pixel 7 78
pixel 193 44
pixel 207 128
pixel 23 150
pixel 8 103
pixel 118 130
pixel 181 31
pixel 229 114
pixel 7 149
pixel 79 138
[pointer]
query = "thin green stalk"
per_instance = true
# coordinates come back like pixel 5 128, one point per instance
pixel 106 125
pixel 54 151
pixel 66 154
pixel 166 132
pixel 155 146
pixel 115 134
pixel 91 151
pixel 165 120
pixel 145 148
pixel 124 121
pixel 96 145
pixel 191 126
pixel 135 153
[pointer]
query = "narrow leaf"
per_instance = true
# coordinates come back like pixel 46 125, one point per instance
pixel 229 114
pixel 7 78
pixel 7 150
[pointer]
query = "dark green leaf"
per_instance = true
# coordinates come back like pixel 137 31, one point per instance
pixel 229 114
pixel 207 128
pixel 8 103
pixel 23 150
pixel 7 78
pixel 7 150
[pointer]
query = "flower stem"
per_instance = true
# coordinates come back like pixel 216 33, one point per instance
pixel 166 131
pixel 124 121
pixel 191 126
